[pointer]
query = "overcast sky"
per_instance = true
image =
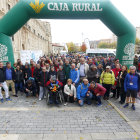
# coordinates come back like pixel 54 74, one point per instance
pixel 70 30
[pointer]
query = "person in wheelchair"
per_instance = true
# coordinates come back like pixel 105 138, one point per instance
pixel 70 92
pixel 30 86
pixel 54 86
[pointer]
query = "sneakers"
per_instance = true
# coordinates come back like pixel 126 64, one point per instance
pixel 2 100
pixel 39 99
pixel 8 99
pixel 133 107
pixel 65 104
pixel 44 97
pixel 126 105
pixel 88 103
pixel 27 95
pixel 99 105
pixel 51 102
pixel 57 102
pixel 15 95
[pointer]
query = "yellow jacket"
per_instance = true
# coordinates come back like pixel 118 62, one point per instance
pixel 108 78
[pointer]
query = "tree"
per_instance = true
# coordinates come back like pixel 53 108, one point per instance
pixel 113 45
pixel 137 41
pixel 83 48
pixel 71 47
pixel 102 45
pixel 78 49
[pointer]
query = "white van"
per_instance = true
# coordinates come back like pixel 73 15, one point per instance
pixel 100 52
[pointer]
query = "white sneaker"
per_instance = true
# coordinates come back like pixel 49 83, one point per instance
pixel 65 104
pixel 39 99
pixel 44 97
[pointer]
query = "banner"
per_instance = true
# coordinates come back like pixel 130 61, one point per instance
pixel 87 43
pixel 66 47
pixel 26 56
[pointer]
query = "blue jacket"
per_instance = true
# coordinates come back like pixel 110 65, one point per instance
pixel 74 75
pixel 13 72
pixel 135 81
pixel 83 92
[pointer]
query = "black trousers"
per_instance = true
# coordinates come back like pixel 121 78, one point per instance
pixel 117 90
pixel 71 98
pixel 37 85
pixel 107 87
pixel 53 94
pixel 123 94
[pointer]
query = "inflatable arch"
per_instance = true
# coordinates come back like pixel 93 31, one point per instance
pixel 68 9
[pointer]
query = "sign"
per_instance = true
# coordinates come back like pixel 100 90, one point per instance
pixel 128 58
pixel 26 56
pixel 3 54
pixel 36 6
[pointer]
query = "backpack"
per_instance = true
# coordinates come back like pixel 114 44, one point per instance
pixel 83 88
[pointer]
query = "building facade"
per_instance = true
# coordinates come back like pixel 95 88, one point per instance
pixel 56 48
pixel 94 44
pixel 34 35
pixel 113 38
pixel 106 40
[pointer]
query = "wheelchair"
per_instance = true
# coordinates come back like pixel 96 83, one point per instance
pixel 60 97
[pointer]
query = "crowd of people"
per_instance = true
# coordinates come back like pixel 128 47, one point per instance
pixel 80 78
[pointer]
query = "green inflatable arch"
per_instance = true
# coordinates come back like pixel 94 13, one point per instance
pixel 68 9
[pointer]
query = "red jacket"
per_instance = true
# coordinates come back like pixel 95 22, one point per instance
pixel 139 66
pixel 98 90
pixel 56 68
pixel 32 71
pixel 116 73
pixel 49 83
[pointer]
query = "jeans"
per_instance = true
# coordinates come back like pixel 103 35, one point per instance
pixel 43 91
pixel 97 98
pixel 87 99
pixel 17 85
pixel 77 84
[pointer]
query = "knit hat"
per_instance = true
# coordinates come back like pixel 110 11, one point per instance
pixel 53 78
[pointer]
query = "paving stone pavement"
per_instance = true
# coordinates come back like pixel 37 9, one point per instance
pixel 131 114
pixel 36 119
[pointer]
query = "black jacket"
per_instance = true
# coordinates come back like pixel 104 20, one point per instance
pixel 18 76
pixel 36 73
pixel 91 75
pixel 120 82
pixel 43 78
pixel 32 87
pixel 61 76
pixel 13 72
pixel 2 75
pixel 52 73
pixel 28 71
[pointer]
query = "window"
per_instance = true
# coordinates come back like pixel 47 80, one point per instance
pixel 41 37
pixel 9 7
pixel 29 27
pixel 25 24
pixel 12 38
pixel 34 31
pixel 38 35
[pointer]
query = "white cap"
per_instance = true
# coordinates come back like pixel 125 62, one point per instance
pixel 107 67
